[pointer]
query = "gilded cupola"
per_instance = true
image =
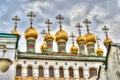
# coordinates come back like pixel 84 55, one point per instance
pixel 31 32
pixel 80 39
pixel 99 50
pixel 73 49
pixel 15 31
pixel 48 36
pixel 107 40
pixel 43 47
pixel 90 38
pixel 61 35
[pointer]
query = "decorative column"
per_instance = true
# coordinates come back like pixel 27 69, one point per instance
pixel 24 72
pixel 107 41
pixel 49 38
pixel 46 73
pixel 80 40
pixel 57 73
pixel 90 39
pixel 31 35
pixel 76 73
pixel 61 36
pixel 66 74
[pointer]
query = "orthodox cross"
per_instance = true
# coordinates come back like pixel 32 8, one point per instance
pixel 87 23
pixel 43 33
pixel 60 18
pixel 48 23
pixel 31 15
pixel 79 28
pixel 106 29
pixel 72 36
pixel 16 19
pixel 97 40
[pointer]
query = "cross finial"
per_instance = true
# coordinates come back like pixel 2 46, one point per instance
pixel 43 32
pixel 79 28
pixel 16 19
pixel 106 29
pixel 60 18
pixel 87 23
pixel 31 15
pixel 48 23
pixel 97 40
pixel 72 36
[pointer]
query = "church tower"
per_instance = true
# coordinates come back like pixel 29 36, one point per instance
pixel 61 36
pixel 99 50
pixel 74 48
pixel 43 46
pixel 31 35
pixel 90 39
pixel 107 41
pixel 49 38
pixel 15 31
pixel 80 40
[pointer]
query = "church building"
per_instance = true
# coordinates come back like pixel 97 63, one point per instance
pixel 81 63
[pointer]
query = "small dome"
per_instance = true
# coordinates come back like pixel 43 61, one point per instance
pixel 107 41
pixel 31 32
pixel 90 38
pixel 43 47
pixel 61 36
pixel 80 39
pixel 49 37
pixel 99 51
pixel 73 49
pixel 15 31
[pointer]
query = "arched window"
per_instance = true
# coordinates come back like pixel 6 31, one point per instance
pixel 118 75
pixel 71 73
pixel 61 72
pixel 29 71
pixel 51 72
pixel 81 75
pixel 18 70
pixel 92 72
pixel 41 71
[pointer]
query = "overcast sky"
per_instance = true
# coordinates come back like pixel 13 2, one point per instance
pixel 99 12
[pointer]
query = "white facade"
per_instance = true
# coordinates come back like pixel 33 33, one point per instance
pixel 37 60
pixel 112 69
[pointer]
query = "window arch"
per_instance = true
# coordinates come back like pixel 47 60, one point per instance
pixel 29 71
pixel 61 72
pixel 18 70
pixel 118 75
pixel 81 74
pixel 71 73
pixel 92 72
pixel 41 71
pixel 51 72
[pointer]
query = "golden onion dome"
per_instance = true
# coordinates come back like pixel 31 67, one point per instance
pixel 61 36
pixel 43 47
pixel 99 51
pixel 49 37
pixel 15 31
pixel 90 38
pixel 73 49
pixel 107 41
pixel 80 39
pixel 31 33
